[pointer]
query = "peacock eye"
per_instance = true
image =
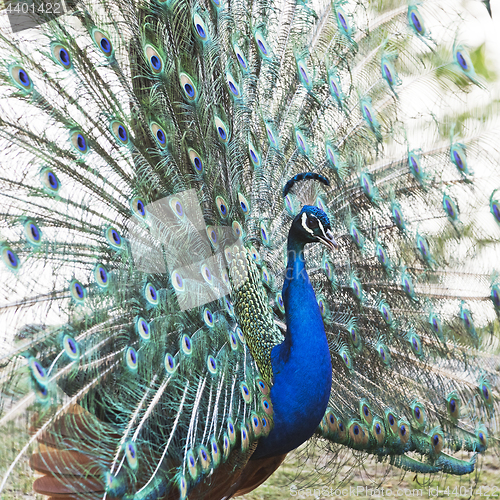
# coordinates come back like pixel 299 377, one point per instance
pixel 312 222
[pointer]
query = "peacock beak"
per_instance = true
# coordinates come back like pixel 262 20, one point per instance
pixel 328 240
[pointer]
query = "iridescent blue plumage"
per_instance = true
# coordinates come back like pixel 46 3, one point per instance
pixel 302 370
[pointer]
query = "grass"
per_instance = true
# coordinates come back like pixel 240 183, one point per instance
pixel 13 438
pixel 309 473
pixel 352 475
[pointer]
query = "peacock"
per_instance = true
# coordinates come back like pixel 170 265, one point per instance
pixel 232 227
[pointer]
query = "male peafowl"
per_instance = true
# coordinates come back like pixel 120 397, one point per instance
pixel 230 226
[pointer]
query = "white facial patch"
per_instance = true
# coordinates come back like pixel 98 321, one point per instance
pixel 321 227
pixel 304 224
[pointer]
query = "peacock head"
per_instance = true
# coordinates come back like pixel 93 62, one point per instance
pixel 311 225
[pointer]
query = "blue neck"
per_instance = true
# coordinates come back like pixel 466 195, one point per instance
pixel 302 369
